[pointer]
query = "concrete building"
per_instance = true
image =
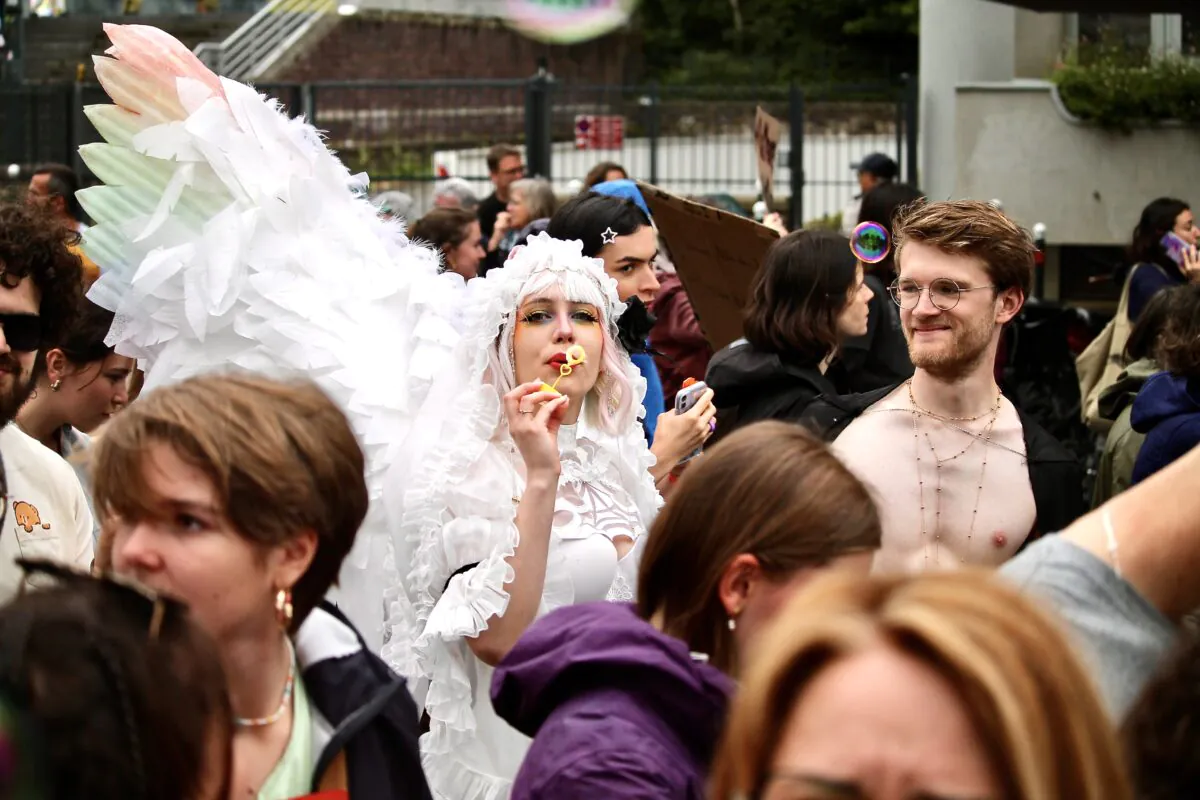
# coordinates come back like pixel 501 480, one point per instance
pixel 992 125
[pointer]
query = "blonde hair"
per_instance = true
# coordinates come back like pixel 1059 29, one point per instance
pixel 1030 701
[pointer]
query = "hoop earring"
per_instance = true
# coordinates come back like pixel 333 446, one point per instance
pixel 283 608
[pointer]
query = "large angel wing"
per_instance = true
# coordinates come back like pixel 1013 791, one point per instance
pixel 231 237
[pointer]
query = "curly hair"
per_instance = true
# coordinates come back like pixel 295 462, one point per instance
pixel 1178 347
pixel 36 245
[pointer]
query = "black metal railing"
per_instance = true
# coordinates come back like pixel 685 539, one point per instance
pixel 694 140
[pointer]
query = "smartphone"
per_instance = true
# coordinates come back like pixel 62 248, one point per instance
pixel 685 401
pixel 1174 246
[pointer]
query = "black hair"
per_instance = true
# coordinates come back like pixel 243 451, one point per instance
pixel 882 205
pixel 585 218
pixel 63 182
pixel 84 341
pixel 1146 247
pixel 799 293
pixel 115 712
pixel 34 243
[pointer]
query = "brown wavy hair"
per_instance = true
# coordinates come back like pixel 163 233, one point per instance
pixel 1029 699
pixel 973 229
pixel 799 293
pixel 35 244
pixel 281 456
pixel 1178 346
pixel 1162 730
pixel 772 490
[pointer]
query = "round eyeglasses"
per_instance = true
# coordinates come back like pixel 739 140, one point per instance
pixel 943 293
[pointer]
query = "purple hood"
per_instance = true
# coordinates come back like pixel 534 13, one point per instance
pixel 616 708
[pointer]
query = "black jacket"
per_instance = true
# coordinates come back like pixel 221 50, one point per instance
pixel 749 386
pixel 880 356
pixel 374 719
pixel 1054 473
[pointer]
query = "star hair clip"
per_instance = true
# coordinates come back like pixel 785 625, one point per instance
pixel 609 236
pixel 576 355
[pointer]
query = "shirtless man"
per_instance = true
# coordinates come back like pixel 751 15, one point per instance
pixel 960 475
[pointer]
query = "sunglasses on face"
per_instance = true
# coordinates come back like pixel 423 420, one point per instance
pixel 22 332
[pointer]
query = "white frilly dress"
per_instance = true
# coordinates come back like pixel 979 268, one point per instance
pixel 456 510
pixel 231 238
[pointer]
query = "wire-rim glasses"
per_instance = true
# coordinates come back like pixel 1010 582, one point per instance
pixel 944 293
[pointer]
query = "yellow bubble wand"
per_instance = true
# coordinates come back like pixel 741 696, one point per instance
pixel 576 355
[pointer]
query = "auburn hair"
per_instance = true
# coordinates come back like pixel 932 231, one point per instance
pixel 803 508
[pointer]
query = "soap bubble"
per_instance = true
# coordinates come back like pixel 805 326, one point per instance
pixel 568 21
pixel 870 242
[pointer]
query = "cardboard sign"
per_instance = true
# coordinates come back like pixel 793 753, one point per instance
pixel 717 255
pixel 767 131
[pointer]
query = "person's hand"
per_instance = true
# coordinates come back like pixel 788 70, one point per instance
pixel 533 420
pixel 1191 264
pixel 679 435
pixel 503 223
pixel 774 221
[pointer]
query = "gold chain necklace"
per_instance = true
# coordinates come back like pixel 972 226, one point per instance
pixel 986 436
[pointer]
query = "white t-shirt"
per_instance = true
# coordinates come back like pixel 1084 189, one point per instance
pixel 46 511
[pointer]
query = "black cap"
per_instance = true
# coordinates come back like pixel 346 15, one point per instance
pixel 879 165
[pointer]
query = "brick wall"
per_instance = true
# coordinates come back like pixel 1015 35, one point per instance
pixel 383 46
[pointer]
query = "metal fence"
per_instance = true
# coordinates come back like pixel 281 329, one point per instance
pixel 689 140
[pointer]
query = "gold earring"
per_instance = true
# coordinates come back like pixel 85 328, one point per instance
pixel 283 608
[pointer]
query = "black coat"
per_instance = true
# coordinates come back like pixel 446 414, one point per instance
pixel 375 721
pixel 749 386
pixel 1054 473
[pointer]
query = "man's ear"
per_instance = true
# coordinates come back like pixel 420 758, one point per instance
pixel 1008 304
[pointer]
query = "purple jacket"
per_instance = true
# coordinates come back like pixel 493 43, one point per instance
pixel 616 709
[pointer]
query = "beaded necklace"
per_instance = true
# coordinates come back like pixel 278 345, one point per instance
pixel 917 412
pixel 284 704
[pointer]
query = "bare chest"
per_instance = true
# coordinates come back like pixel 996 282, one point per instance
pixel 949 493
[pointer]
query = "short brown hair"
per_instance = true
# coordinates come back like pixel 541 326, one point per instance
pixel 1030 701
pixel 444 228
pixel 498 153
pixel 282 457
pixel 975 230
pixel 1178 347
pixel 806 509
pixel 800 291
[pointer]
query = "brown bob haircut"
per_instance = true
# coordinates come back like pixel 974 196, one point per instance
pixel 975 230
pixel 1178 347
pixel 1031 702
pixel 771 490
pixel 798 294
pixel 281 455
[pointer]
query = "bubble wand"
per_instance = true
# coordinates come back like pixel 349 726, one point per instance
pixel 576 355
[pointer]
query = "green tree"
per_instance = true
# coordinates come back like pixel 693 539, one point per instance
pixel 808 41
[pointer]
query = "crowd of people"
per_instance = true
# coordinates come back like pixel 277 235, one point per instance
pixel 473 510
